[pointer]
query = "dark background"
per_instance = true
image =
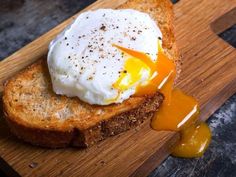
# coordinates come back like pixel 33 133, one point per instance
pixel 21 21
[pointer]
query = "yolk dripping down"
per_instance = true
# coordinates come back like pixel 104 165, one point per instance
pixel 194 141
pixel 179 112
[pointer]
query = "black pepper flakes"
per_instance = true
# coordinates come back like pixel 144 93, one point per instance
pixel 139 31
pixel 103 27
pixel 90 78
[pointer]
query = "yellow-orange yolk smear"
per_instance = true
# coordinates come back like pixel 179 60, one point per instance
pixel 179 112
pixel 194 141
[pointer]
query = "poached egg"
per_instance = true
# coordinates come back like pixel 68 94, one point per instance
pixel 105 56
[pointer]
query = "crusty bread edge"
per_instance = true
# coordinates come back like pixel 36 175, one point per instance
pixel 88 137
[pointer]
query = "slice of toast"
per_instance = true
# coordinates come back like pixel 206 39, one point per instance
pixel 37 115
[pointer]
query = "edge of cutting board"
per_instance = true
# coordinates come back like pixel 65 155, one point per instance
pixel 211 85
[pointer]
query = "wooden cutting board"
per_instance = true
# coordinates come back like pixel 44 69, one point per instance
pixel 209 74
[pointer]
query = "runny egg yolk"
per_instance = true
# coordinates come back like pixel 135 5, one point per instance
pixel 179 112
pixel 194 141
pixel 134 69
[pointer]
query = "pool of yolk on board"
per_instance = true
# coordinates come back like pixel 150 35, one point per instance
pixel 178 112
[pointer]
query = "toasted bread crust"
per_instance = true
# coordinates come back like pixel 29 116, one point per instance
pixel 37 115
pixel 91 135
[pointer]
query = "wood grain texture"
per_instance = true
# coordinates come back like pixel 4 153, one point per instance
pixel 209 74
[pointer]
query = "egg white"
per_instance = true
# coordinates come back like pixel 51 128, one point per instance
pixel 83 62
